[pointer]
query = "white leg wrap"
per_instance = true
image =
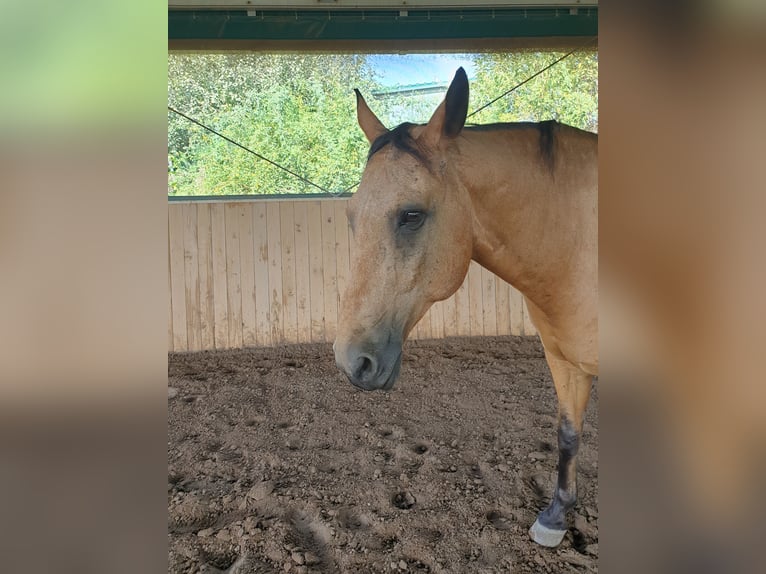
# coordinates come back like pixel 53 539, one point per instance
pixel 545 536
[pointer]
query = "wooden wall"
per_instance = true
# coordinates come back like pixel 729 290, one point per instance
pixel 267 272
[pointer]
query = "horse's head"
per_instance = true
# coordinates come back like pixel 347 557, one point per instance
pixel 412 224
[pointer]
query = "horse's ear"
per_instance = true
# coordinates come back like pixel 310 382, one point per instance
pixel 449 118
pixel 370 124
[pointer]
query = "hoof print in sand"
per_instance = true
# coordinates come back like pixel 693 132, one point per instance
pixel 499 520
pixel 403 500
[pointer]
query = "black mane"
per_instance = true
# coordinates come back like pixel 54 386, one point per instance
pixel 547 130
pixel 401 139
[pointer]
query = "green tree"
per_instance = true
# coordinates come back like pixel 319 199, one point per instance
pixel 567 92
pixel 297 110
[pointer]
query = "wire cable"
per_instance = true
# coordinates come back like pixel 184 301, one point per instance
pixel 349 188
pixel 517 86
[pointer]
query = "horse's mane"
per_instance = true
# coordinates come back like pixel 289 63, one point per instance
pixel 401 139
pixel 547 130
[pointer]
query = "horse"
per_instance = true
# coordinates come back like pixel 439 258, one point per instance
pixel 520 199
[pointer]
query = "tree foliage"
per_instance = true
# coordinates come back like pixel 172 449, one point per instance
pixel 566 92
pixel 292 109
pixel 299 111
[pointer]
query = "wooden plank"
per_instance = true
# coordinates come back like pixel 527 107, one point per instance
pixel 302 272
pixel 417 330
pixel 289 303
pixel 437 320
pixel 463 309
pixel 415 333
pixel 517 315
pixel 316 276
pixel 233 274
pixel 425 325
pixel 529 328
pixel 222 268
pixel 503 305
pixel 191 277
pixel 475 294
pixel 205 261
pixel 261 263
pixel 170 294
pixel 449 314
pixel 490 304
pixel 220 282
pixel 329 265
pixel 247 274
pixel 177 287
pixel 275 272
pixel 342 249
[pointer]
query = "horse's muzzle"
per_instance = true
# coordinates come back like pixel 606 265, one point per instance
pixel 370 369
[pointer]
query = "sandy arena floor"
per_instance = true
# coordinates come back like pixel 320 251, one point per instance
pixel 277 464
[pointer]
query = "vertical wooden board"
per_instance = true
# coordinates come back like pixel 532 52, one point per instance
pixel 302 272
pixel 316 277
pixel 220 282
pixel 502 302
pixel 330 266
pixel 476 305
pixel 463 309
pixel 247 274
pixel 529 328
pixel 289 303
pixel 191 277
pixel 490 302
pixel 417 330
pixel 205 261
pixel 517 315
pixel 275 272
pixel 170 295
pixel 449 316
pixel 437 320
pixel 425 325
pixel 233 274
pixel 177 279
pixel 342 249
pixel 261 255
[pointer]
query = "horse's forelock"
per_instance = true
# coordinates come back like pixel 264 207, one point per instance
pixel 401 139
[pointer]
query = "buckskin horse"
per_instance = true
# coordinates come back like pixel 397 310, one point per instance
pixel 521 199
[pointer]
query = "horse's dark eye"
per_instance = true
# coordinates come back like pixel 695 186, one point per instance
pixel 411 219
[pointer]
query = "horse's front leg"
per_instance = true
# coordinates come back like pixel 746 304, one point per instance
pixel 573 389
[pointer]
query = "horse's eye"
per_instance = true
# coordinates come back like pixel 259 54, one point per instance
pixel 411 220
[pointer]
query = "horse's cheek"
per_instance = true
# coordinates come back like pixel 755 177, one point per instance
pixel 449 275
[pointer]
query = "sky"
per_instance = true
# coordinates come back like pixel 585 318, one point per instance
pixel 406 69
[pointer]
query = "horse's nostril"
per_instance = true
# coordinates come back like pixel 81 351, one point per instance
pixel 366 368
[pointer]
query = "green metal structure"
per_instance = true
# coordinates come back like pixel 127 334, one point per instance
pixel 231 28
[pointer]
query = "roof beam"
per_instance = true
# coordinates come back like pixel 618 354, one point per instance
pixel 371 4
pixel 380 30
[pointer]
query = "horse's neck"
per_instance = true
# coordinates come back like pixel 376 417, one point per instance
pixel 528 219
